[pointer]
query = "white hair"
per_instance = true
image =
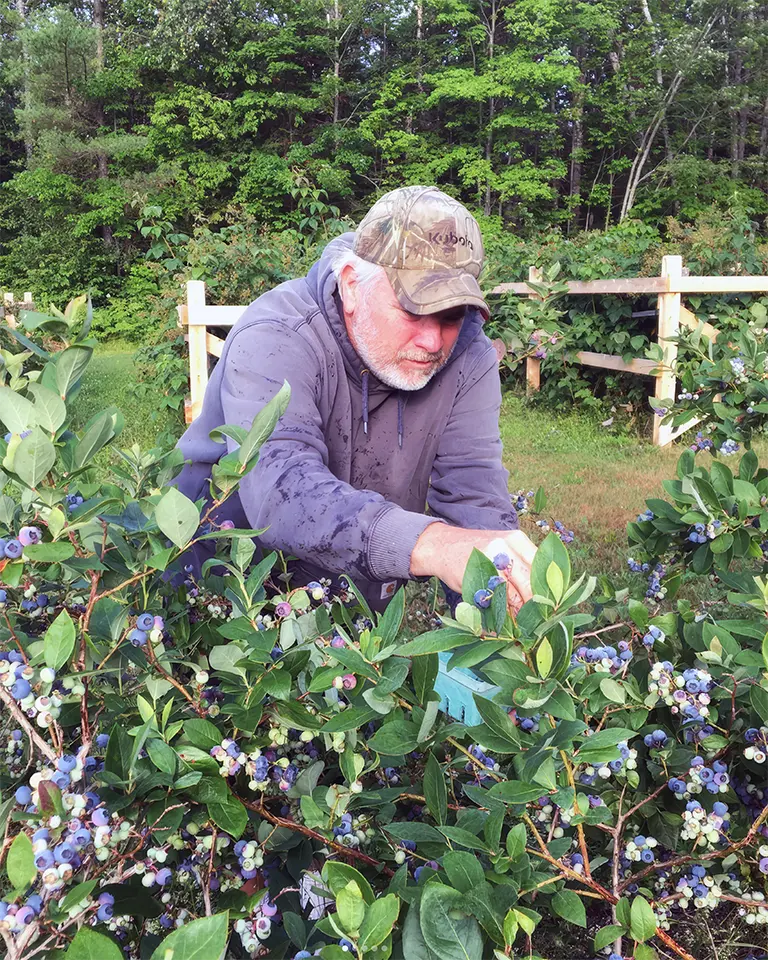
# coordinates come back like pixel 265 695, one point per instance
pixel 365 271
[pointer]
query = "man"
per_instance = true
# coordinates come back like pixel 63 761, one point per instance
pixel 394 408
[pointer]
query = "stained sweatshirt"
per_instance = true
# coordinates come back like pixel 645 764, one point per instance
pixel 355 470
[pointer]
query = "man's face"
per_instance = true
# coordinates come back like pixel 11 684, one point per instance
pixel 403 350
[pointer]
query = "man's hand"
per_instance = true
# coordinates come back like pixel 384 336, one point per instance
pixel 444 551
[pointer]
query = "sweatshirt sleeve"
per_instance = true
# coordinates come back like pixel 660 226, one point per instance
pixel 469 484
pixel 308 512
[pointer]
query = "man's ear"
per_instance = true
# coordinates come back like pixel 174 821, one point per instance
pixel 349 289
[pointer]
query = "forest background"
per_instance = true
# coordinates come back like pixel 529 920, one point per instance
pixel 145 143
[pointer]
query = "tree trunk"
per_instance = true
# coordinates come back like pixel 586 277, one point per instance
pixel 577 145
pixel 21 9
pixel 491 28
pixel 102 166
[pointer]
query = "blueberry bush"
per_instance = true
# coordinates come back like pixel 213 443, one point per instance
pixel 232 765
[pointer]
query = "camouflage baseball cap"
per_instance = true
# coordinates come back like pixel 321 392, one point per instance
pixel 430 247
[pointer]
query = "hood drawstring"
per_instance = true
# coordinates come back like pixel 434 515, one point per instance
pixel 364 379
pixel 364 374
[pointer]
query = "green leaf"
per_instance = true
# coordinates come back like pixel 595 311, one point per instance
pixel 70 366
pixel 202 733
pixel 555 581
pixel 88 944
pixel 435 790
pixel 544 658
pixel 49 552
pixel 77 894
pixel 477 573
pixel 231 816
pixel 203 939
pixel 758 697
pixel 337 875
pixel 264 423
pixel 50 409
pixel 295 928
pixel 608 934
pixel 395 738
pixel 418 832
pixel 389 622
pixel 177 517
pixel 612 690
pixel 516 840
pixel 765 651
pixel 642 924
pixel 464 838
pixel 20 864
pixel 435 642
pixel 98 434
pixel 515 791
pixel 162 756
pixel 644 952
pixel 451 935
pixel 350 907
pixel 34 457
pixel 498 721
pixel 464 870
pixel 16 412
pixel 424 672
pixel 605 738
pixel 569 906
pixel 551 551
pixel 59 641
pixel 380 918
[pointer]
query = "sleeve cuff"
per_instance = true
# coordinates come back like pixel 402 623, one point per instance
pixel 392 537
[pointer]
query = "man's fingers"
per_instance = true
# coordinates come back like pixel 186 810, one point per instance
pixel 522 547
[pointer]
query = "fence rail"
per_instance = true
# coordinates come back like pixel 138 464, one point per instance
pixel 669 288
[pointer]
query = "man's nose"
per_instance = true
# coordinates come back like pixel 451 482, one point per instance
pixel 430 335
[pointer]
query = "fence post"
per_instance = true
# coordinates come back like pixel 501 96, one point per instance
pixel 669 326
pixel 532 365
pixel 198 355
pixel 10 316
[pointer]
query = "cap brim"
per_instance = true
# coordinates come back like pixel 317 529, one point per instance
pixel 428 291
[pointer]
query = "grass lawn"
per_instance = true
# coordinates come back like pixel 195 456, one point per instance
pixel 111 380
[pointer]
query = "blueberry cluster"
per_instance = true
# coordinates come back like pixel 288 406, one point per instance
pixel 701 443
pixel 565 535
pixel 700 777
pixel 627 760
pixel 148 627
pixel 757 740
pixel 13 547
pixel 258 926
pixel 686 694
pixel 758 912
pixel 36 690
pixel 605 659
pixel 687 395
pixel 520 501
pixel 645 517
pixel 738 367
pixel 698 888
pixel 729 447
pixel 15 917
pixel 701 532
pixel 657 740
pixel 488 762
pixel 483 597
pixel 73 500
pixel 635 566
pixel 702 826
pixel 640 849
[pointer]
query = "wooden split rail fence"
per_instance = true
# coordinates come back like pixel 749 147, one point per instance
pixel 10 307
pixel 669 288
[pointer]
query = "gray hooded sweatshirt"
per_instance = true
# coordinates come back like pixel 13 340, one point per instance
pixel 344 482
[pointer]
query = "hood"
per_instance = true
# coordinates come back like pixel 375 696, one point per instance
pixel 323 288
